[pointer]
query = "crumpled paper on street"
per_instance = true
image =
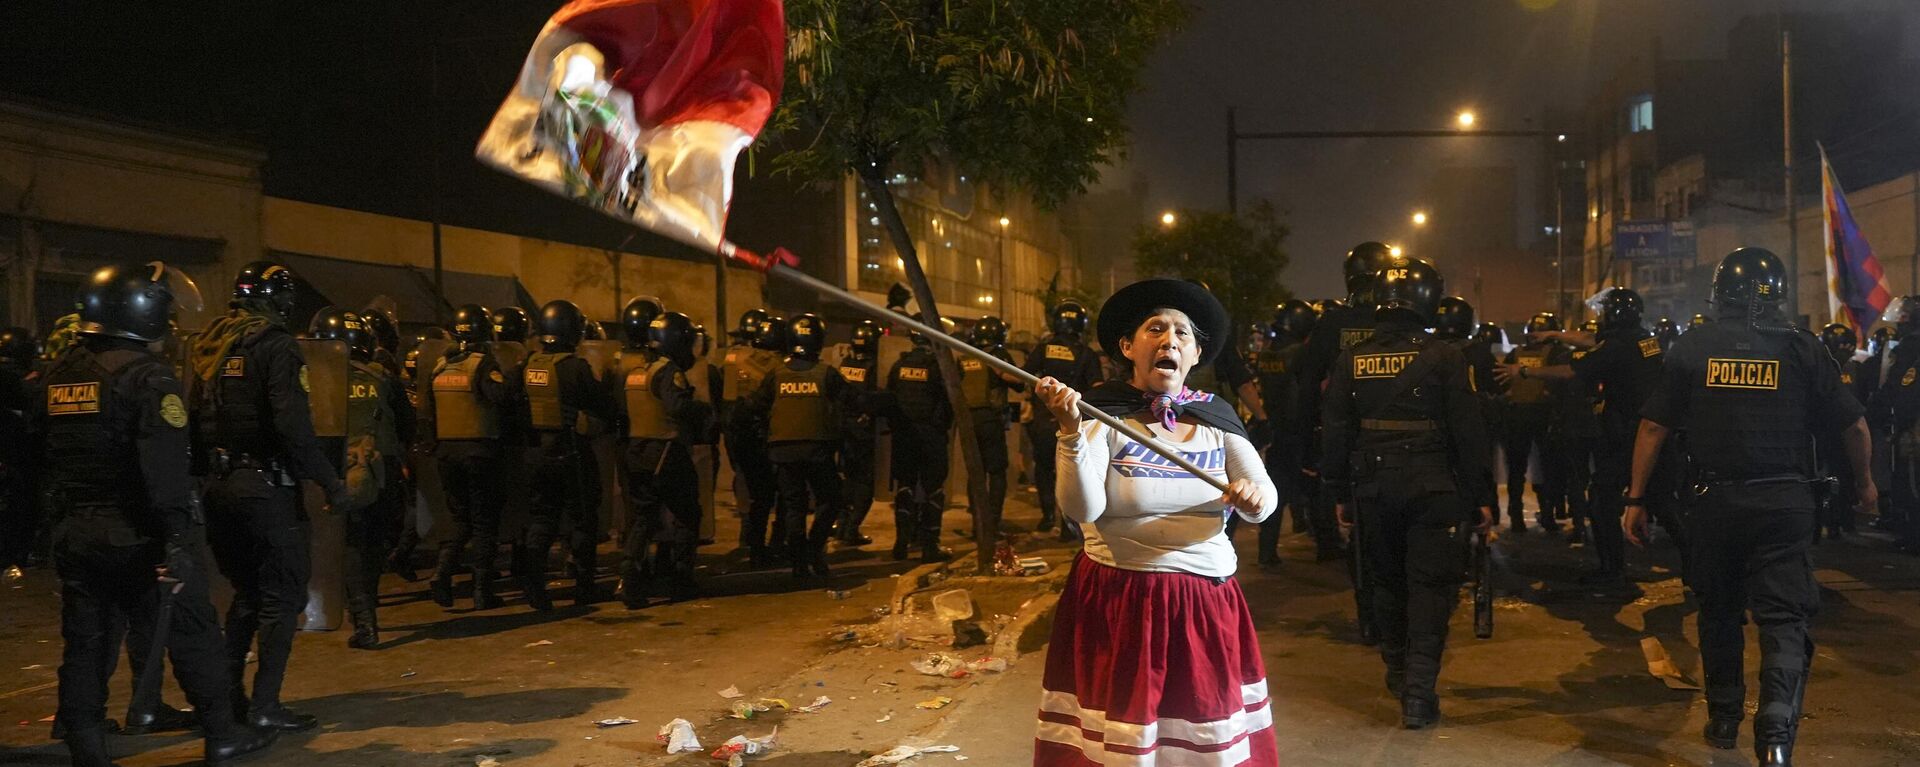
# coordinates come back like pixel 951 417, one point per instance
pixel 742 709
pixel 900 754
pixel 940 664
pixel 678 737
pixel 738 747
pixel 1661 665
pixel 817 704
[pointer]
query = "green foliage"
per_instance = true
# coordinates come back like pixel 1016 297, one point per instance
pixel 1027 94
pixel 1240 259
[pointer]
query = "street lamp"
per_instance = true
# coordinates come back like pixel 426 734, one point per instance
pixel 1394 250
pixel 1419 218
pixel 1004 221
pixel 1465 119
pixel 1167 218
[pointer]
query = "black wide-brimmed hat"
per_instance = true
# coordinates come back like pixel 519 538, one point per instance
pixel 1133 304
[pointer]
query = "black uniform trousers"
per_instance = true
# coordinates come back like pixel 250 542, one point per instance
pixel 1750 556
pixel 472 473
pixel 919 480
pixel 260 540
pixel 1903 507
pixel 753 469
pixel 1576 459
pixel 365 551
pixel 808 485
pixel 105 590
pixel 1412 536
pixel 663 518
pixel 565 488
pixel 1526 429
pixel 1043 435
pixel 857 455
pixel 990 433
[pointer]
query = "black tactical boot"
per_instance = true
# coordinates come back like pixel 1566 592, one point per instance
pixel 483 596
pixel 366 636
pixel 244 741
pixel 89 748
pixel 441 587
pixel 1396 660
pixel 583 591
pixel 163 718
pixel 280 718
pixel 1722 733
pixel 1417 713
pixel 1774 755
pixel 536 588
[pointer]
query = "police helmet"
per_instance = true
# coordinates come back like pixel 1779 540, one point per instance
pixel 1259 336
pixel 562 326
pixel 1360 265
pixel 807 335
pixel 773 334
pixel 135 302
pixel 1068 318
pixel 1453 318
pixel 866 338
pixel 1294 320
pixel 1590 326
pixel 1877 343
pixel 268 284
pixel 990 332
pixel 1666 329
pixel 1904 314
pixel 380 323
pixel 1617 308
pixel 594 331
pixel 336 324
pixel 472 325
pixel 671 335
pixel 1840 341
pixel 1325 305
pixel 1491 334
pixel 1543 322
pixel 1697 321
pixel 1408 285
pixel 749 328
pixel 635 318
pixel 1750 282
pixel 511 323
pixel 17 345
pixel 703 342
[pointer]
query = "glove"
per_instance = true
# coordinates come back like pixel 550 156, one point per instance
pixel 179 563
pixel 338 497
pixel 1260 433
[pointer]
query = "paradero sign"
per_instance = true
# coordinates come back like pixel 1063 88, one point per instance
pixel 1654 240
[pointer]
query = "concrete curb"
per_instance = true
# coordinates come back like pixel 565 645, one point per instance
pixel 919 578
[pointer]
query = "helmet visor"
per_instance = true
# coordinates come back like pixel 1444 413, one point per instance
pixel 186 294
pixel 1594 302
pixel 1897 309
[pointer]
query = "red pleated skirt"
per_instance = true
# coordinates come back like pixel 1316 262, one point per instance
pixel 1153 670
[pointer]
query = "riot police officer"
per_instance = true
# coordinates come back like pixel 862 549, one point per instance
pixel 1624 364
pixel 1530 405
pixel 561 390
pixel 663 515
pixel 19 514
pixel 1667 331
pixel 922 420
pixel 859 430
pixel 1836 508
pixel 985 390
pixel 801 401
pixel 1341 325
pixel 1896 406
pixel 472 398
pixel 257 430
pixel 742 369
pixel 1277 370
pixel 419 449
pixel 112 430
pixel 1064 356
pixel 377 411
pixel 511 324
pixel 1748 389
pixel 1407 463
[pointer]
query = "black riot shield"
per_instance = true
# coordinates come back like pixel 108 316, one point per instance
pixel 325 379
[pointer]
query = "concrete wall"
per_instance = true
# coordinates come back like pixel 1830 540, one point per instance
pixel 548 269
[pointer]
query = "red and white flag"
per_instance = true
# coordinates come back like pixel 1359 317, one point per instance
pixel 639 108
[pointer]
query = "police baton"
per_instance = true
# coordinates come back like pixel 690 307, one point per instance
pixel 149 681
pixel 777 265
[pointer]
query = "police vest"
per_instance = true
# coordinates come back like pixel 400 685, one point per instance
pixel 237 416
pixel 1749 403
pixel 916 385
pixel 1274 370
pixel 1061 358
pixel 802 411
pixel 1531 390
pixel 742 371
pixel 859 373
pixel 981 385
pixel 546 406
pixel 1398 396
pixel 367 412
pixel 89 466
pixel 647 416
pixel 459 410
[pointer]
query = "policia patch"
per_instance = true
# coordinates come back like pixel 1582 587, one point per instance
pixel 1649 347
pixel 1381 365
pixel 173 412
pixel 1743 374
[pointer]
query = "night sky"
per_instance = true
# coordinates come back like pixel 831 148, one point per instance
pixel 1393 64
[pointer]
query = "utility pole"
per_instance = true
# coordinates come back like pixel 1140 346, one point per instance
pixel 1786 152
pixel 1233 166
pixel 1559 240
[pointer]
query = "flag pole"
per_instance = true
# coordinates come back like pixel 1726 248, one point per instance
pixel 775 266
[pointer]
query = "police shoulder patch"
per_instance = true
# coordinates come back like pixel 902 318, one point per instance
pixel 1907 380
pixel 304 386
pixel 1649 347
pixel 496 377
pixel 171 411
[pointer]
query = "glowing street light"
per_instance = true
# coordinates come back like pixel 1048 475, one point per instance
pixel 1465 119
pixel 1004 221
pixel 1167 218
pixel 1394 251
pixel 1419 218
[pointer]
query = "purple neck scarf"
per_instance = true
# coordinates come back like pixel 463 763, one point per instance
pixel 1166 407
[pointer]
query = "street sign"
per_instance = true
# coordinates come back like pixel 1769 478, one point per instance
pixel 1653 240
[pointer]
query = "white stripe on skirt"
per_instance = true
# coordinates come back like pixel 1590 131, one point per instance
pixel 1256 715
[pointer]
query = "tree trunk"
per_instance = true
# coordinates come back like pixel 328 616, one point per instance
pixel 985 531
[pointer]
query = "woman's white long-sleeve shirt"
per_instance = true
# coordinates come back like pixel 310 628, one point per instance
pixel 1144 512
